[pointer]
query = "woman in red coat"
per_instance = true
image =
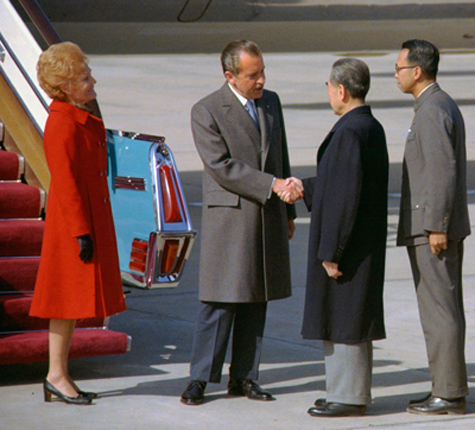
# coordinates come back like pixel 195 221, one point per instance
pixel 79 275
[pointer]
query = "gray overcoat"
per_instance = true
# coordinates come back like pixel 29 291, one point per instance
pixel 244 235
pixel 434 182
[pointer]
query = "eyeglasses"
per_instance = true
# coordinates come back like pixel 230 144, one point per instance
pixel 403 67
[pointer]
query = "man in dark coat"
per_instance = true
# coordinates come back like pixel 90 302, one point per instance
pixel 246 227
pixel 347 243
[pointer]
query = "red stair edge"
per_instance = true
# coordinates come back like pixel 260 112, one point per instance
pixel 86 342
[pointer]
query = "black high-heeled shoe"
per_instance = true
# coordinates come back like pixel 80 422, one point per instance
pixel 87 394
pixel 49 390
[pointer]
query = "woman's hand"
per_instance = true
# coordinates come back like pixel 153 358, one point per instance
pixel 86 248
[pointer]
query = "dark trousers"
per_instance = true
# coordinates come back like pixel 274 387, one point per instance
pixel 438 280
pixel 213 328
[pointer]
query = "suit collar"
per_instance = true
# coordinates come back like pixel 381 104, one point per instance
pixel 363 109
pixel 425 95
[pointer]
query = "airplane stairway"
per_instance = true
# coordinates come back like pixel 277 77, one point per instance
pixel 24 339
pixel 24 180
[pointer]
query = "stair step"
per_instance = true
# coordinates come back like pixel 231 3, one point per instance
pixel 18 273
pixel 21 238
pixel 12 166
pixel 19 200
pixel 14 315
pixel 85 343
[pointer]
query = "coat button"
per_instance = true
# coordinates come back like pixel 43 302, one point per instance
pixel 106 199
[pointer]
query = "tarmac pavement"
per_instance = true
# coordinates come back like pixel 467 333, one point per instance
pixel 141 389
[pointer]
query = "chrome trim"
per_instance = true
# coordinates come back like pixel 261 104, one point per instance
pixel 2 54
pixel 128 183
pixel 21 165
pixel 152 277
pixel 141 136
pixel 105 323
pixel 161 154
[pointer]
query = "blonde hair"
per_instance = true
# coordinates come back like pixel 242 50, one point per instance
pixel 59 64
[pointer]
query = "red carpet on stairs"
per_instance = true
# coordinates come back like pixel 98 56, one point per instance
pixel 24 339
pixel 19 200
pixel 9 166
pixel 18 273
pixel 31 347
pixel 20 238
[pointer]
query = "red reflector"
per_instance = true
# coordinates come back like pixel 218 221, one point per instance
pixel 139 245
pixel 138 255
pixel 171 210
pixel 136 266
pixel 170 250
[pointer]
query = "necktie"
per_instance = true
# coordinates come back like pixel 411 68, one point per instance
pixel 251 108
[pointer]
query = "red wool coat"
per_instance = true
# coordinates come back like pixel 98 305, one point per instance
pixel 78 204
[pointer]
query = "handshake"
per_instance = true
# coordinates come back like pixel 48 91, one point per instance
pixel 289 190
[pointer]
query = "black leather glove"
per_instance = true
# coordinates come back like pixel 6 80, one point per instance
pixel 86 248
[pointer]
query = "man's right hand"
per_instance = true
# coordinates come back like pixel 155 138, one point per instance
pixel 438 242
pixel 289 190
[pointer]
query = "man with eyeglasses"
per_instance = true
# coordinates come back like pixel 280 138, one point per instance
pixel 433 224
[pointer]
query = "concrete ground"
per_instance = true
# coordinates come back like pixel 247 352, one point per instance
pixel 141 389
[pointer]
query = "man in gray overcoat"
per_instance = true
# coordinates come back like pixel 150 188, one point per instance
pixel 240 136
pixel 433 223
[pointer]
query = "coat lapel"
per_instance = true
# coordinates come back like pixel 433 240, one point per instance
pixel 266 121
pixel 237 113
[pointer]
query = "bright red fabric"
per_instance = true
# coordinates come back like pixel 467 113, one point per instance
pixel 78 204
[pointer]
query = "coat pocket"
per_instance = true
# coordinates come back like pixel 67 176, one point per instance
pixel 411 151
pixel 221 198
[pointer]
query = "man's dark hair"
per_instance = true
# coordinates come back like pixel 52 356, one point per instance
pixel 353 74
pixel 231 55
pixel 423 54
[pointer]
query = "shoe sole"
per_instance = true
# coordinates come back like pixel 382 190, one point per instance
pixel 336 415
pixel 449 412
pixel 191 402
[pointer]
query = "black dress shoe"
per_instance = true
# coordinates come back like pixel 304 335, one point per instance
pixel 50 390
pixel 337 410
pixel 320 402
pixel 248 388
pixel 87 394
pixel 422 400
pixel 438 406
pixel 194 393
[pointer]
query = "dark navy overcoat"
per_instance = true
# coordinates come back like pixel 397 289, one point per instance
pixel 348 203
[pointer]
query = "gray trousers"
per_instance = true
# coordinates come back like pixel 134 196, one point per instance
pixel 213 328
pixel 348 369
pixel 438 281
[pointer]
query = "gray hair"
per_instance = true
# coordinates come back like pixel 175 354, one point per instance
pixel 353 74
pixel 231 55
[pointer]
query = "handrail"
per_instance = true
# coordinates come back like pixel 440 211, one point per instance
pixel 49 34
pixel 22 71
pixel 41 21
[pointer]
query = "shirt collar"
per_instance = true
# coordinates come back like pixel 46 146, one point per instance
pixel 428 86
pixel 241 98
